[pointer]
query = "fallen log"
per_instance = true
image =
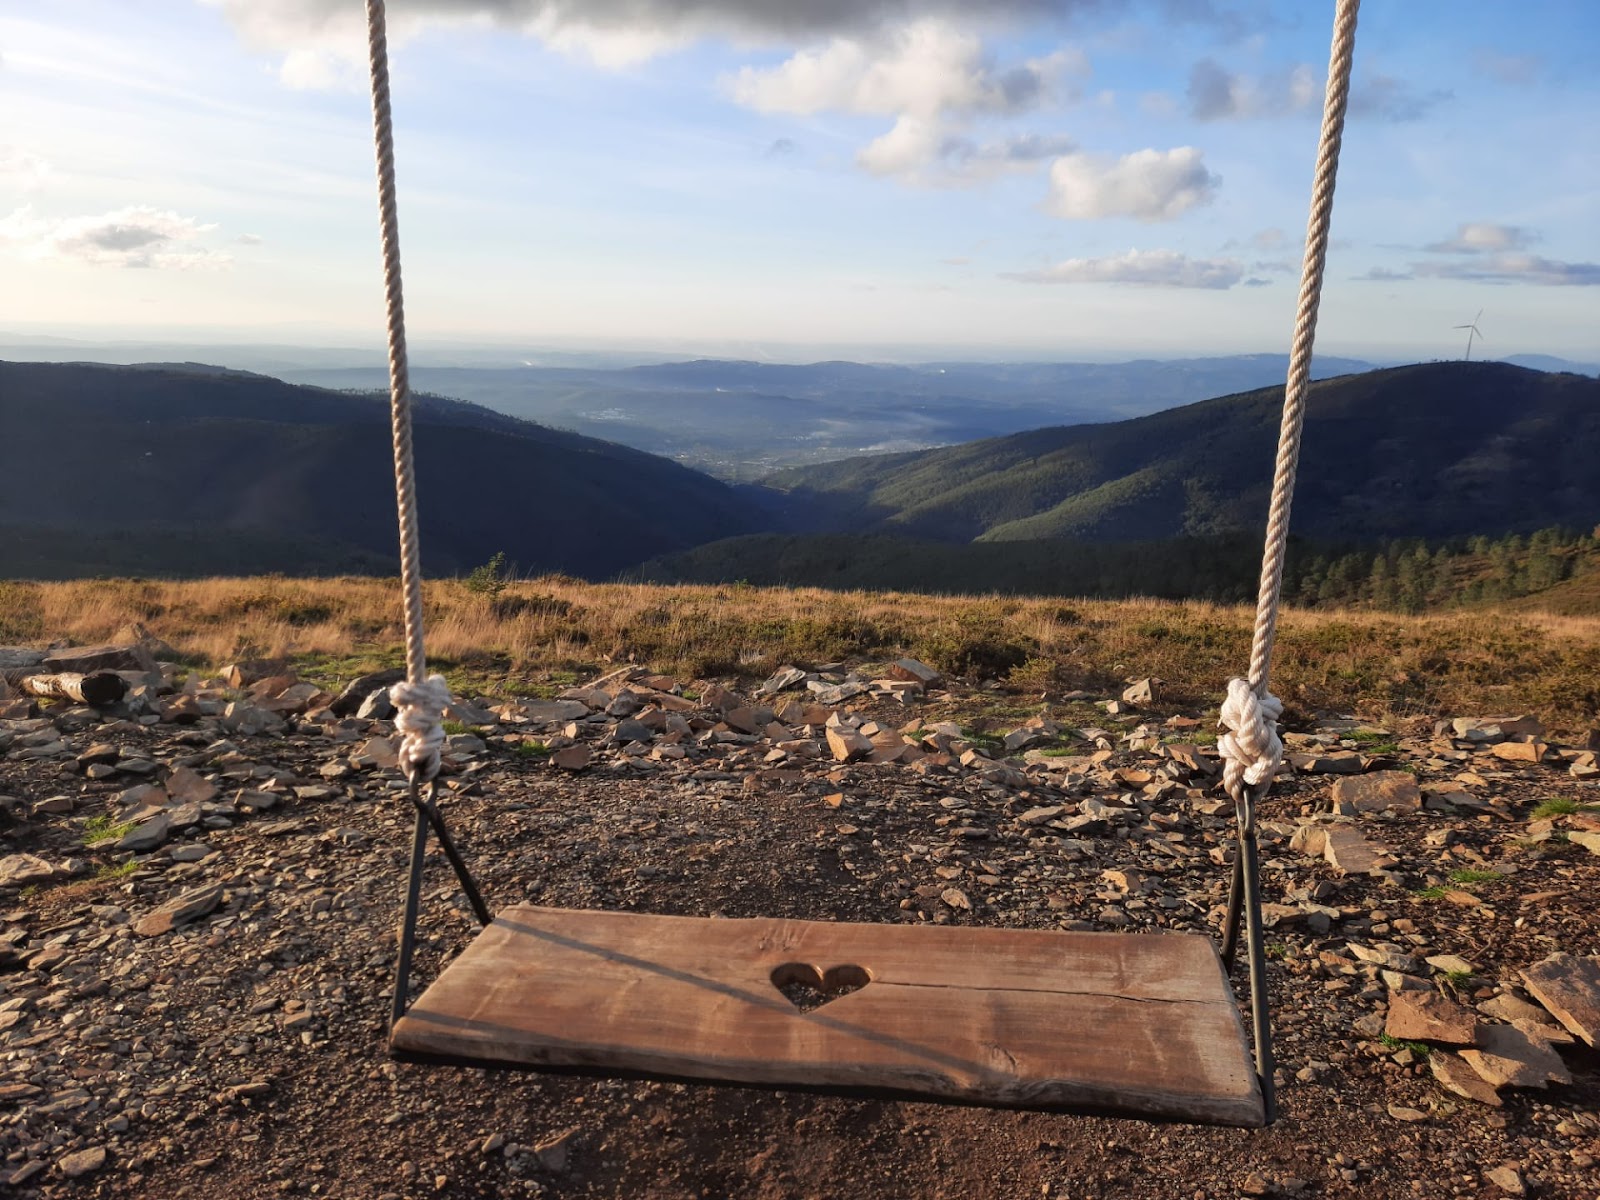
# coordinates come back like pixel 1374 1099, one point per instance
pixel 98 688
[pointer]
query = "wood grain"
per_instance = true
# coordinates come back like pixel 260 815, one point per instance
pixel 1142 1025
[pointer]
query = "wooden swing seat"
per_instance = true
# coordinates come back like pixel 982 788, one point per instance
pixel 1123 1024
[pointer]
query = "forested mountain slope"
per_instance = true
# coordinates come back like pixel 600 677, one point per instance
pixel 1432 450
pixel 187 469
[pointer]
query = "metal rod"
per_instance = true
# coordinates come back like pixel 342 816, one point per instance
pixel 408 922
pixel 1230 923
pixel 1259 1015
pixel 468 884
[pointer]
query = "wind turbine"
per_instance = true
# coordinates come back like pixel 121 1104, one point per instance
pixel 1472 331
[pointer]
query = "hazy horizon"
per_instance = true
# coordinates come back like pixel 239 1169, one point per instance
pixel 901 179
pixel 54 343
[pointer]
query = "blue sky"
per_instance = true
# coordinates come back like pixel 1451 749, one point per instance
pixel 1012 178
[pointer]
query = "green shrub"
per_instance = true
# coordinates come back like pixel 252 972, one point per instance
pixel 975 643
pixel 490 579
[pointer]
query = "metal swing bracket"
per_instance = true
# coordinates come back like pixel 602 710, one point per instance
pixel 1244 900
pixel 428 818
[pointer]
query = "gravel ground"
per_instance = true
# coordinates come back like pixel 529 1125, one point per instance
pixel 240 1051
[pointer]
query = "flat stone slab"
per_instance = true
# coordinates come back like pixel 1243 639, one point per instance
pixel 19 870
pixel 916 672
pixel 146 836
pixel 85 660
pixel 357 690
pixel 1380 791
pixel 1569 987
pixel 1530 752
pixel 1455 1076
pixel 1507 1057
pixel 1508 1179
pixel 180 910
pixel 1349 852
pixel 551 712
pixel 1311 840
pixel 1418 1016
pixel 847 744
pixel 187 786
pixel 1341 762
pixel 380 752
pixel 82 1162
pixel 572 758
pixel 18 658
pixel 1508 1006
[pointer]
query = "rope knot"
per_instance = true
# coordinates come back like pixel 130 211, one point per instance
pixel 419 720
pixel 1251 749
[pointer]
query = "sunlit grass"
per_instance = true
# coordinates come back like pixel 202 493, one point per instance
pixel 543 634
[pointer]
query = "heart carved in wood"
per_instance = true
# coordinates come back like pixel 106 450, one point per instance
pixel 808 987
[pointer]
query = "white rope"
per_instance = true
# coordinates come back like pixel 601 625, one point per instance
pixel 420 702
pixel 419 720
pixel 1251 749
pixel 1254 734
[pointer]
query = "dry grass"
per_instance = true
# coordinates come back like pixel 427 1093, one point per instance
pixel 542 632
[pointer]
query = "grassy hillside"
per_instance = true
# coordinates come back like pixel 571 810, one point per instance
pixel 539 635
pixel 1434 450
pixel 178 469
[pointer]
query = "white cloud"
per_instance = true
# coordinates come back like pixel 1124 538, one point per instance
pixel 932 77
pixel 1217 94
pixel 1481 237
pixel 316 68
pixel 1486 252
pixel 1514 268
pixel 926 152
pixel 1147 268
pixel 921 70
pixel 288 22
pixel 612 33
pixel 139 236
pixel 1148 185
pixel 22 168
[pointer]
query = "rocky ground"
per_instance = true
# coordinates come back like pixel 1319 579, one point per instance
pixel 199 888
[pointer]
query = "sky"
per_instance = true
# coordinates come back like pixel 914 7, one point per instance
pixel 1064 179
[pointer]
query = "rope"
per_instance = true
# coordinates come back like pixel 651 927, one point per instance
pixel 420 702
pixel 1251 749
pixel 419 720
pixel 1259 730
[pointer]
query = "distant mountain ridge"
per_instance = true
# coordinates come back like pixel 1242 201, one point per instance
pixel 741 419
pixel 175 467
pixel 1430 450
pixel 187 468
